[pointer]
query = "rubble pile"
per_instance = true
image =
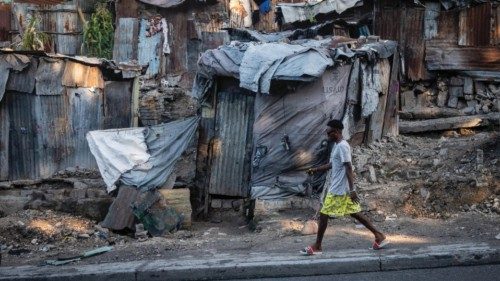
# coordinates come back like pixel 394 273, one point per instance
pixel 455 96
pixel 431 176
pixel 48 231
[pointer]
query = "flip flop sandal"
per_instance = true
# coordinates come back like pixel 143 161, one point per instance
pixel 379 246
pixel 309 251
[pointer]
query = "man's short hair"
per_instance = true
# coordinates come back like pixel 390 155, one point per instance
pixel 335 124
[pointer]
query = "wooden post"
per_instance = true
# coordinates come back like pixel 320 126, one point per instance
pixel 135 102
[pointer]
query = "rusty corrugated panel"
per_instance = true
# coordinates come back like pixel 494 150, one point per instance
pixel 23 81
pixel 117 104
pixel 125 43
pixel 4 141
pixel 80 75
pixel 387 23
pixel 496 27
pixel 22 136
pixel 5 12
pixel 85 114
pixel 448 26
pixel 232 147
pixel 54 135
pixel 414 45
pixel 49 77
pixel 475 26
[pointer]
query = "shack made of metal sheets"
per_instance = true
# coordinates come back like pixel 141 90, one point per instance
pixel 43 121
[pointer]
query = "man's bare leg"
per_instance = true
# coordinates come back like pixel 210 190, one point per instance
pixel 323 223
pixel 379 236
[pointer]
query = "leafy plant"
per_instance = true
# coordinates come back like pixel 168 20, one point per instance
pixel 98 33
pixel 34 40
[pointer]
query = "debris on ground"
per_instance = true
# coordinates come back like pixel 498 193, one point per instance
pixel 87 254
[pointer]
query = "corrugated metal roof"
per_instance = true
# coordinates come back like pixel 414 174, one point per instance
pixel 23 81
pixel 49 77
pixel 79 75
pixel 230 163
pixel 475 26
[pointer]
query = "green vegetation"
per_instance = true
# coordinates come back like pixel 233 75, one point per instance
pixel 98 33
pixel 33 39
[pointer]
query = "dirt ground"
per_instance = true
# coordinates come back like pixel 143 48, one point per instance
pixel 419 190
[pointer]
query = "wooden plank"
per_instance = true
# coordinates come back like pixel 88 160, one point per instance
pixel 456 58
pixel 120 216
pixel 179 199
pixel 448 123
pixel 377 118
pixel 391 117
pixel 430 113
pixel 126 40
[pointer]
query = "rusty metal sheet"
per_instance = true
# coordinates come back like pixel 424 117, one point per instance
pixel 387 23
pixel 4 141
pixel 23 81
pixel 4 77
pixel 232 146
pixel 49 77
pixel 22 136
pixel 447 26
pixel 85 114
pixel 414 44
pixel 117 104
pixel 496 27
pixel 5 27
pixel 80 75
pixel 54 137
pixel 475 25
pixel 125 46
pixel 149 49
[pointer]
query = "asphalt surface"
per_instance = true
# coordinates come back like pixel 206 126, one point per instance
pixel 465 273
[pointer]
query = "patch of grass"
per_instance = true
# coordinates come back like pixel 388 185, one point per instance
pixel 33 39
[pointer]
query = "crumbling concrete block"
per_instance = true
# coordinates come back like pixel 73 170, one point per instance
pixel 456 81
pixel 468 86
pixel 442 98
pixel 408 100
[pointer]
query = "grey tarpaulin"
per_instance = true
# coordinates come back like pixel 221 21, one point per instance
pixel 263 62
pixel 141 157
pixel 300 117
pixel 293 12
pixel 164 3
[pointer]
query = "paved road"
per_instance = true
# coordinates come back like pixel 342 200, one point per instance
pixel 465 273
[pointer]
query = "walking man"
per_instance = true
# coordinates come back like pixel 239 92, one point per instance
pixel 341 198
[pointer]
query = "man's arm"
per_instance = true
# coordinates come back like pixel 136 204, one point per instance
pixel 350 179
pixel 321 168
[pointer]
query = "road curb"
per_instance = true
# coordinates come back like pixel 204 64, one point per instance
pixel 260 266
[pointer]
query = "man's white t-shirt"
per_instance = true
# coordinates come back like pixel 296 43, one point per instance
pixel 341 153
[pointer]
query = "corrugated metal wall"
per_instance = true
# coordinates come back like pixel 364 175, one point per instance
pixel 232 144
pixel 43 132
pixel 475 26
